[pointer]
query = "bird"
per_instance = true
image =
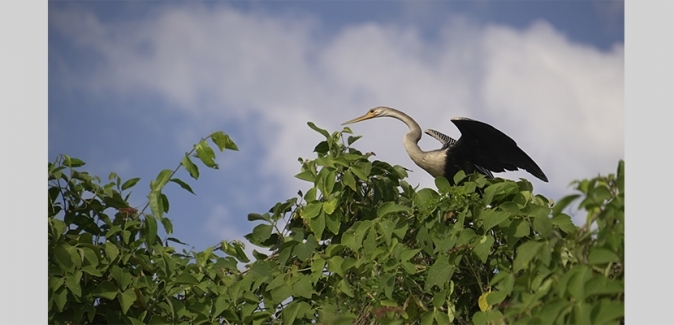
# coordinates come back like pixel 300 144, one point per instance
pixel 481 148
pixel 447 142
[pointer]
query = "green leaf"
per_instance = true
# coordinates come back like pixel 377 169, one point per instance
pixel 600 255
pixel 126 299
pixel 439 273
pixel 344 287
pixel 487 317
pixel 162 178
pixel 306 175
pixel 607 311
pixel 317 225
pixel 408 254
pixel 362 169
pixel 386 229
pixel 73 284
pixel 306 249
pixel 168 226
pixel 563 221
pixel 330 206
pixel 538 211
pixel 442 184
pixel 262 268
pixel 186 278
pixel 409 267
pixel 427 318
pixel 370 242
pixel 543 226
pixel 190 166
pixel 130 183
pixel 63 256
pixel 498 189
pixel 563 203
pixel 150 230
pixel 89 255
pixel 111 251
pixel 620 180
pixel 496 297
pixel 348 180
pixel 182 184
pixel 600 285
pixel 278 281
pixel 262 232
pixel 73 162
pixel 322 148
pixel 335 265
pixel 483 247
pixel 121 276
pixel 441 318
pixel 223 141
pixel 459 176
pixel 158 320
pixel 426 199
pixel 391 207
pixel 220 305
pixel 60 298
pixel 303 287
pixel 317 268
pixel 576 284
pixel 206 154
pixel 493 218
pixel 256 217
pixel 165 203
pixel 156 203
pixel 333 222
pixel 55 282
pixel 311 210
pixel 91 270
pixel 517 229
pixel 329 183
pixel 351 139
pixel 105 290
pixel 319 130
pixel 281 293
pixel 525 253
pixel 551 310
pixel 293 310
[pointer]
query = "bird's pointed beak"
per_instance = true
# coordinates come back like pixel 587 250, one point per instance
pixel 367 116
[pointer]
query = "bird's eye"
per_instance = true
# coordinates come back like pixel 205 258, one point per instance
pixel 371 111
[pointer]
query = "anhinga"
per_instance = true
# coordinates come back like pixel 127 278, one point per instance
pixel 480 148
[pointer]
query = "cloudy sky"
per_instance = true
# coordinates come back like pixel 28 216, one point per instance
pixel 133 85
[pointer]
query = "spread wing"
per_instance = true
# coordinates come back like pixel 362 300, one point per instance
pixel 483 145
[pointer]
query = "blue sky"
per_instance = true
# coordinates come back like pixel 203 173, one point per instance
pixel 133 85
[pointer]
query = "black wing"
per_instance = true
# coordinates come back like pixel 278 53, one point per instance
pixel 483 145
pixel 447 142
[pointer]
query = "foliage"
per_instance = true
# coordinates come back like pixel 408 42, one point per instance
pixel 360 246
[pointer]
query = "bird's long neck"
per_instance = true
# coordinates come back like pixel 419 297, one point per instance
pixel 431 161
pixel 411 139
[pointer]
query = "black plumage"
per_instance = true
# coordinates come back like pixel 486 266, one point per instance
pixel 482 145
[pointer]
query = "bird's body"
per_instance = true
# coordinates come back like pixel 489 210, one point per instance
pixel 447 142
pixel 480 148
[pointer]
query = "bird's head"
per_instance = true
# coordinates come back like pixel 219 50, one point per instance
pixel 378 111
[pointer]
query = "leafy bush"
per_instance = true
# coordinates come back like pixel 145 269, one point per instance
pixel 360 246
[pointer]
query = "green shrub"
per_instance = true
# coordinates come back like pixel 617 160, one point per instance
pixel 360 246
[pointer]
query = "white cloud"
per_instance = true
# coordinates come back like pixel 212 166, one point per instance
pixel 561 101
